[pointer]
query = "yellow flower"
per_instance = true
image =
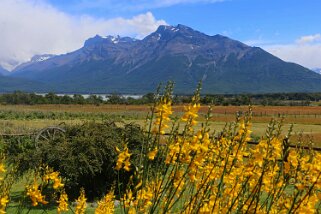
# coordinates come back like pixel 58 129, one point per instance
pixel 106 205
pixel 4 200
pixel 127 165
pixel 53 176
pixel 3 203
pixel 144 197
pixel 191 113
pixel 163 111
pixel 127 198
pixel 63 202
pixel 152 154
pixel 57 183
pixel 35 194
pixel 81 203
pixel 300 186
pixel 123 159
pixel 2 168
pixel 293 158
pixel 132 210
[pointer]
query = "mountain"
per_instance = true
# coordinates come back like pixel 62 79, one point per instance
pixel 317 70
pixel 3 71
pixel 10 83
pixel 35 60
pixel 180 53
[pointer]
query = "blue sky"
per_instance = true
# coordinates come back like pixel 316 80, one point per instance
pixel 271 21
pixel 289 29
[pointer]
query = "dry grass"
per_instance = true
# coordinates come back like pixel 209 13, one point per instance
pixel 76 108
pixel 312 111
pixel 306 120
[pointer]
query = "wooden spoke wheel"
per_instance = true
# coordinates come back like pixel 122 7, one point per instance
pixel 48 135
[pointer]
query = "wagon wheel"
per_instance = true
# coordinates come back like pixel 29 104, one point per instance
pixel 48 135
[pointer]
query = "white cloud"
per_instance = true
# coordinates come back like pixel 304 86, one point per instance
pixel 35 27
pixel 309 39
pixel 305 51
pixel 258 42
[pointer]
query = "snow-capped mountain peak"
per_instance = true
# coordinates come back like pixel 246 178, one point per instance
pixel 40 58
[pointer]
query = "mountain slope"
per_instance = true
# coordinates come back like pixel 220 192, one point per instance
pixel 125 65
pixel 317 70
pixel 3 71
pixel 10 84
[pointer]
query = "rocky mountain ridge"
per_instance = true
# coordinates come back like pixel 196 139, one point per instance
pixel 179 53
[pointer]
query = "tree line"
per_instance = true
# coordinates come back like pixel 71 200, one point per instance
pixel 273 99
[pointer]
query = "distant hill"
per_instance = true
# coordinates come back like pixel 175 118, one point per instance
pixel 10 84
pixel 126 65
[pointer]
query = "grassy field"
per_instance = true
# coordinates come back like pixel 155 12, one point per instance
pixel 24 119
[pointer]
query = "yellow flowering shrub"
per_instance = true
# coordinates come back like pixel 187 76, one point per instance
pixel 198 172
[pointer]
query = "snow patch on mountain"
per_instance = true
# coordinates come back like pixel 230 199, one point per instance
pixel 41 58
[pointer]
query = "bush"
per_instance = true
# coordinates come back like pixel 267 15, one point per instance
pixel 85 156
